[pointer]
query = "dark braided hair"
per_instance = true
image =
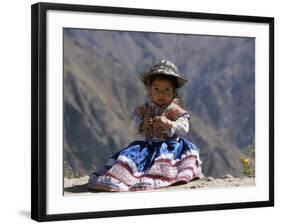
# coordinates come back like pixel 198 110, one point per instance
pixel 170 78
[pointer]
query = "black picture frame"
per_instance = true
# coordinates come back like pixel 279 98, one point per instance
pixel 39 121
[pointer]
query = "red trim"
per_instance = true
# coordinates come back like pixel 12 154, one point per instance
pixel 168 161
pixel 133 178
pixel 123 180
pixel 112 176
pixel 158 177
pixel 164 178
pixel 143 187
pixel 127 167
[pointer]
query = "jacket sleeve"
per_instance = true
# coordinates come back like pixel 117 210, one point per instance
pixel 137 118
pixel 180 127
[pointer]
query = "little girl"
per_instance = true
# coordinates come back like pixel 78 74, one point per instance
pixel 165 157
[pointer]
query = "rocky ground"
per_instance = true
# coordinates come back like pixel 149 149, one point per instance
pixel 77 186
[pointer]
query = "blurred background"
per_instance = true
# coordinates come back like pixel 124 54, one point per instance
pixel 101 90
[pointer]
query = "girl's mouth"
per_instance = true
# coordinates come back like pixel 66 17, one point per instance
pixel 161 100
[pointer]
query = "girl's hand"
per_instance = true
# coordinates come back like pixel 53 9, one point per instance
pixel 162 122
pixel 146 123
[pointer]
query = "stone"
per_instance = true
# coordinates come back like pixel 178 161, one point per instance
pixel 210 179
pixel 228 176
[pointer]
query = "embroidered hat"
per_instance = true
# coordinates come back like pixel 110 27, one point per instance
pixel 164 67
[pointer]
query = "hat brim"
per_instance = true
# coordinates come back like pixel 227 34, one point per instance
pixel 145 77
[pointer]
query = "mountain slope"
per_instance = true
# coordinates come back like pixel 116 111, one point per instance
pixel 101 90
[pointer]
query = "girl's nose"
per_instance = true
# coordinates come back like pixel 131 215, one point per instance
pixel 161 93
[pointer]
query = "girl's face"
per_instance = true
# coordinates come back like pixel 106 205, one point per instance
pixel 161 92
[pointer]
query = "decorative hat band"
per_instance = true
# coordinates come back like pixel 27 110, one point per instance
pixel 166 68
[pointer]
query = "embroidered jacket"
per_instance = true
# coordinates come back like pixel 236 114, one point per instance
pixel 173 112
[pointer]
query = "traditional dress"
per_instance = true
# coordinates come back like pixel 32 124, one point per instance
pixel 164 158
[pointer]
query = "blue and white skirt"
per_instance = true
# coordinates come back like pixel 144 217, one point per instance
pixel 149 165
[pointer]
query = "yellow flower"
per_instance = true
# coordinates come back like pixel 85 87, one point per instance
pixel 247 161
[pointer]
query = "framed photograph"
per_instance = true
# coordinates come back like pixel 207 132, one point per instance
pixel 99 72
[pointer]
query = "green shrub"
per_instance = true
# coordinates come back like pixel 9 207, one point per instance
pixel 249 163
pixel 67 171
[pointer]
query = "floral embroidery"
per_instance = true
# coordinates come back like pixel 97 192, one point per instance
pixel 173 112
